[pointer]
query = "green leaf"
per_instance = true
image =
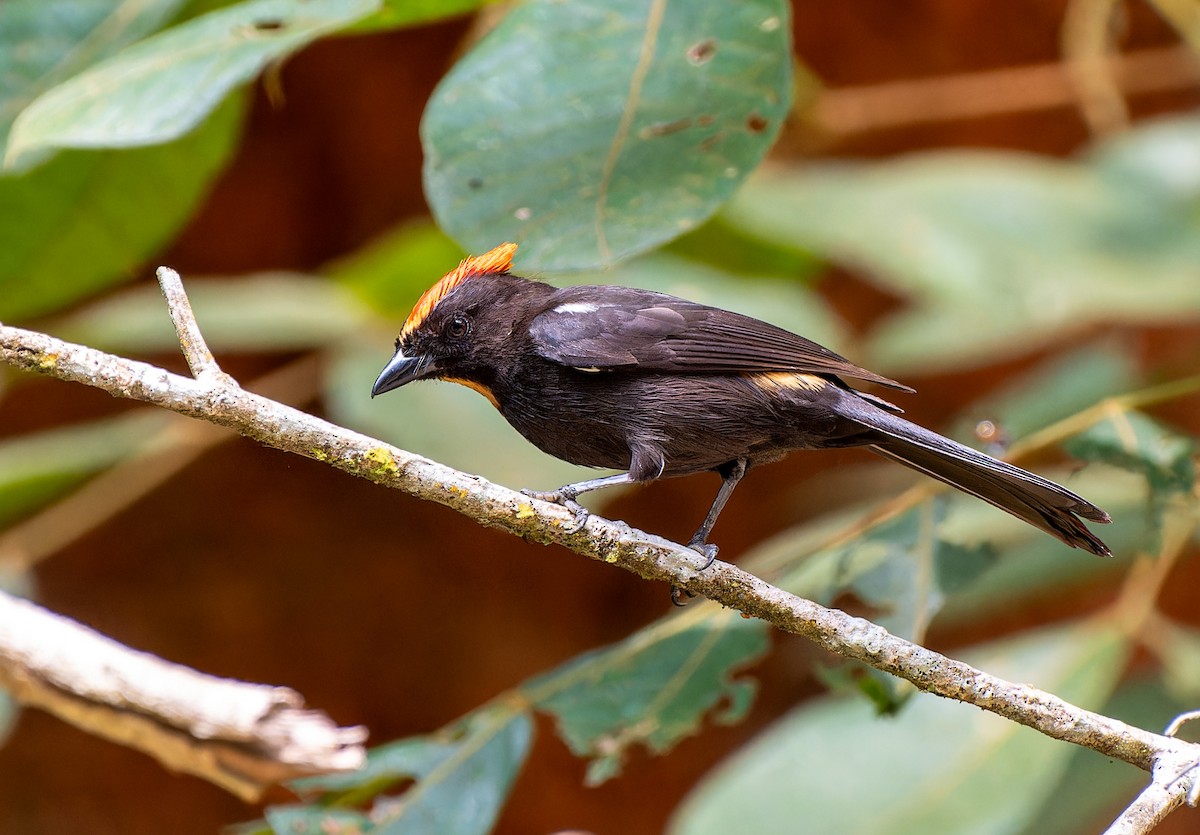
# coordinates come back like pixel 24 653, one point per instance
pixel 465 793
pixel 397 14
pixel 1059 388
pixel 590 130
pixel 939 767
pixel 905 569
pixel 1139 443
pixel 651 689
pixel 304 820
pixel 720 244
pixel 463 776
pixel 159 89
pixel 36 468
pixel 1158 159
pixel 43 42
pixel 254 313
pixel 1031 565
pixel 84 220
pixel 1024 563
pixel 414 758
pixel 920 570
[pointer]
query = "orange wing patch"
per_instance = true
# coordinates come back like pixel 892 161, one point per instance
pixel 493 262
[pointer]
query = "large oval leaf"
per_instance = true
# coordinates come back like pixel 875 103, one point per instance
pixel 43 42
pixel 85 219
pixel 162 87
pixel 590 130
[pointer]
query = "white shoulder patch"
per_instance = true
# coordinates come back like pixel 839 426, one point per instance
pixel 577 307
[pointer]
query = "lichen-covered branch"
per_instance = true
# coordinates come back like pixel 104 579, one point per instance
pixel 651 557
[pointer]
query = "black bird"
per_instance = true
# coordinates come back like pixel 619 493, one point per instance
pixel 657 386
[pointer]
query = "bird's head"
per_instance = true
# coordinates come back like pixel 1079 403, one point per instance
pixel 456 327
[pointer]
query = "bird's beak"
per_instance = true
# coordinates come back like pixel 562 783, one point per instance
pixel 400 370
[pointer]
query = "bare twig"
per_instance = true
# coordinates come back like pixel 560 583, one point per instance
pixel 648 556
pixel 195 350
pixel 243 737
pixel 848 110
pixel 1179 721
pixel 1174 782
pixel 1088 47
pixel 1148 810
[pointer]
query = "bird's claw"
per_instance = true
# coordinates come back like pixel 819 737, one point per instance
pixel 565 498
pixel 678 597
pixel 706 550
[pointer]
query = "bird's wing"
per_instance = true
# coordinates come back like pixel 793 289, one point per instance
pixel 602 328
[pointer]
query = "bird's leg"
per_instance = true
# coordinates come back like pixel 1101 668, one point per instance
pixel 567 494
pixel 731 473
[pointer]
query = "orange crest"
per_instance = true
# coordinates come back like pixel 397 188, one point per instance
pixel 493 262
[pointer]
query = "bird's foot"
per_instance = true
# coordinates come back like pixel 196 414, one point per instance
pixel 706 550
pixel 681 596
pixel 566 498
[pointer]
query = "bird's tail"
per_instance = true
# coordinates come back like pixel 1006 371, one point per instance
pixel 1031 498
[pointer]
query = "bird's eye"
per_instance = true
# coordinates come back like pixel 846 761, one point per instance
pixel 457 326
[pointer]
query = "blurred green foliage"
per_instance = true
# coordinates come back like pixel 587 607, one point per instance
pixel 940 767
pixel 588 147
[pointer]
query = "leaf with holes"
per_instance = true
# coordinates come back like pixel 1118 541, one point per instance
pixel 591 130
pixel 1136 442
pixel 904 569
pixel 653 688
pixel 462 775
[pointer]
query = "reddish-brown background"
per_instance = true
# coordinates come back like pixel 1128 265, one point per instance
pixel 399 614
